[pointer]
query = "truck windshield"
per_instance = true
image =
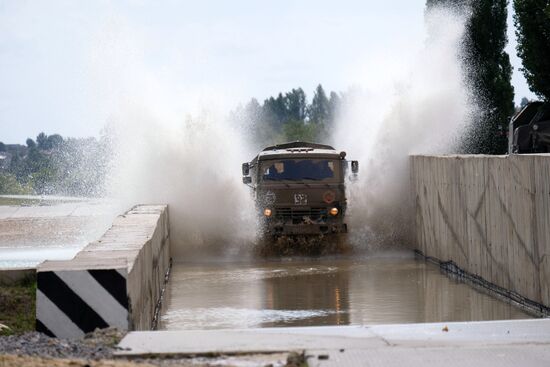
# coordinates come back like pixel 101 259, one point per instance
pixel 296 170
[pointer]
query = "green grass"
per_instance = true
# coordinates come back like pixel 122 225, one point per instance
pixel 18 306
pixel 18 201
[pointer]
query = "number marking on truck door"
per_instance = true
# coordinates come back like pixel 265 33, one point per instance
pixel 300 199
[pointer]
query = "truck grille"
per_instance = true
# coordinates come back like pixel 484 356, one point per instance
pixel 301 215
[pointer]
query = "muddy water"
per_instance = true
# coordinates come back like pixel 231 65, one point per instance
pixel 386 288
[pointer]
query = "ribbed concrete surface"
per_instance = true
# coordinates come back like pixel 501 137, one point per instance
pixel 488 214
pixel 493 343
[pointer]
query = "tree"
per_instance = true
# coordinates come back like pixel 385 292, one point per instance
pixel 298 130
pixel 42 141
pixel 30 143
pixel 296 105
pixel 54 141
pixel 524 102
pixel 319 110
pixel 488 72
pixel 2 147
pixel 334 104
pixel 532 21
pixel 274 111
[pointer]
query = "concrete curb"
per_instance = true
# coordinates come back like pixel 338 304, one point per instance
pixel 116 281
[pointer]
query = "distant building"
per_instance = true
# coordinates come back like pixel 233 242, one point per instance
pixel 12 150
pixel 5 160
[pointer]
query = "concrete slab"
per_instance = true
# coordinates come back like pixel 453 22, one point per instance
pixel 84 263
pixel 267 340
pixel 499 356
pixel 58 230
pixel 466 333
pixel 494 343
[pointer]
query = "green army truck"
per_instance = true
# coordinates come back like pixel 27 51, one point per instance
pixel 299 190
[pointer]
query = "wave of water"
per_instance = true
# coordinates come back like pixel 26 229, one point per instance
pixel 423 112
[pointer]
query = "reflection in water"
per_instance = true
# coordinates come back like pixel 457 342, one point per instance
pixel 321 289
pixel 392 288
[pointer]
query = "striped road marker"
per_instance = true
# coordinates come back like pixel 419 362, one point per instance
pixel 74 302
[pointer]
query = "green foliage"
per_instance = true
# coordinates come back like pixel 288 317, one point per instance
pixel 75 167
pixel 488 72
pixel 289 117
pixel 319 110
pixel 10 186
pixel 298 130
pixel 30 143
pixel 42 141
pixel 532 21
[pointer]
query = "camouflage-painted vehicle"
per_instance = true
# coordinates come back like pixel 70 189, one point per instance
pixel 299 189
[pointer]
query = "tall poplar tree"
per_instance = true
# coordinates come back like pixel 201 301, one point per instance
pixel 488 72
pixel 532 20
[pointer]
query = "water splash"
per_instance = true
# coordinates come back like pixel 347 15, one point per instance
pixel 424 113
pixel 193 166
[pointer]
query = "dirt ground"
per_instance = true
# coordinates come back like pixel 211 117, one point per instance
pixel 7 360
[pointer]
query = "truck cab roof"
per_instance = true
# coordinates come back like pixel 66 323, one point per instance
pixel 299 149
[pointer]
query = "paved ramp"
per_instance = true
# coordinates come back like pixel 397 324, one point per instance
pixel 32 234
pixel 493 343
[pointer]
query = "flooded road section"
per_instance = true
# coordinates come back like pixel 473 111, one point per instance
pixel 394 288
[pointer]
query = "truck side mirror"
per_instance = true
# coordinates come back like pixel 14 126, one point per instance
pixel 354 166
pixel 246 169
pixel 247 180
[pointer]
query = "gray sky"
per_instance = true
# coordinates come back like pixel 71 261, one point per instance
pixel 65 66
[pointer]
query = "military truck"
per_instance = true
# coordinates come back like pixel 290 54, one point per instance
pixel 299 189
pixel 530 129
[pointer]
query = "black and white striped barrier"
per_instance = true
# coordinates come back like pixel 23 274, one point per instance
pixel 114 282
pixel 73 303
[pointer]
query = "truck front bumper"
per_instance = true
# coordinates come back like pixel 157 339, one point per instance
pixel 286 229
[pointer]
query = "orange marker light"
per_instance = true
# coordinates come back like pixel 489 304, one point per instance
pixel 334 211
pixel 267 212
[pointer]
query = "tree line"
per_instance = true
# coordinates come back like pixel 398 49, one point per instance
pixel 54 165
pixel 289 116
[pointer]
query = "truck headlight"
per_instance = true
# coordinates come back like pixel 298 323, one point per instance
pixel 267 212
pixel 333 211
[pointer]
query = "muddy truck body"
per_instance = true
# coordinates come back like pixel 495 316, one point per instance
pixel 299 189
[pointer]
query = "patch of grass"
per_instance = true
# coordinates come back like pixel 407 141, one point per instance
pixel 18 201
pixel 18 306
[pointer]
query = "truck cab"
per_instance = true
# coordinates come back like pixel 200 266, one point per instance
pixel 529 130
pixel 299 189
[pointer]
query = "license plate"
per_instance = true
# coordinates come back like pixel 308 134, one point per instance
pixel 300 199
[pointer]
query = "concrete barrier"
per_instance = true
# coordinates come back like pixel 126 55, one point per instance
pixel 115 281
pixel 490 215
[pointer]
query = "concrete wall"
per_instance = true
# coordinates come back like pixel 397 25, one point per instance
pixel 115 281
pixel 488 214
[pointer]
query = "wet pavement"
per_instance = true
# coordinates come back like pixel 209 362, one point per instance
pixel 49 228
pixel 387 288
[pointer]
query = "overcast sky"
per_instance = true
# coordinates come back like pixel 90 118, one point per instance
pixel 65 66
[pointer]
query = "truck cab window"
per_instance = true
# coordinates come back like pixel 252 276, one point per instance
pixel 295 170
